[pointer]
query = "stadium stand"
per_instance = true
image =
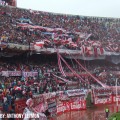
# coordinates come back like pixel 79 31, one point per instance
pixel 24 73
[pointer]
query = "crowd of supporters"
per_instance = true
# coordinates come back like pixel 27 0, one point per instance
pixel 49 78
pixel 23 26
pixel 45 81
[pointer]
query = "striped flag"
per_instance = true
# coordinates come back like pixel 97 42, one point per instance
pixel 39 45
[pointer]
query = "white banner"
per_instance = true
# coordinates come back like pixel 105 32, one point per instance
pixel 19 73
pixel 5 73
pixel 75 92
pixel 29 74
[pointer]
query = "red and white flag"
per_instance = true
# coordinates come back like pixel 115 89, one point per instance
pixel 110 49
pixel 39 45
pixel 100 51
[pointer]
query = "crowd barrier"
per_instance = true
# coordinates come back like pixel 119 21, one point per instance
pixel 61 102
pixel 105 98
pixel 56 102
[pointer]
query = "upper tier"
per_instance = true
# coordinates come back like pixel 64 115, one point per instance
pixel 21 26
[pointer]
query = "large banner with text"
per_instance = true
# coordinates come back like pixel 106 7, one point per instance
pixel 102 96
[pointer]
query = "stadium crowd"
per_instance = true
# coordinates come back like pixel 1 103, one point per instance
pixel 23 26
pixel 46 82
pixel 49 78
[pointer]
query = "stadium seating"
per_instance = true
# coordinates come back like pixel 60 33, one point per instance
pixel 23 26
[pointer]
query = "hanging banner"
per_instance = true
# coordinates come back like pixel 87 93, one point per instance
pixel 71 100
pixel 14 73
pixel 52 105
pixel 69 105
pixel 61 108
pixel 19 73
pixel 78 103
pixel 103 100
pixel 102 96
pixel 5 73
pixel 29 74
pixel 76 92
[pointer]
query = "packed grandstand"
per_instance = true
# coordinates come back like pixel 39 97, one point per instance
pixel 45 52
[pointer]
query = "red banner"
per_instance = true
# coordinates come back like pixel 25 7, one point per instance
pixel 104 100
pixel 102 96
pixel 76 103
pixel 54 103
